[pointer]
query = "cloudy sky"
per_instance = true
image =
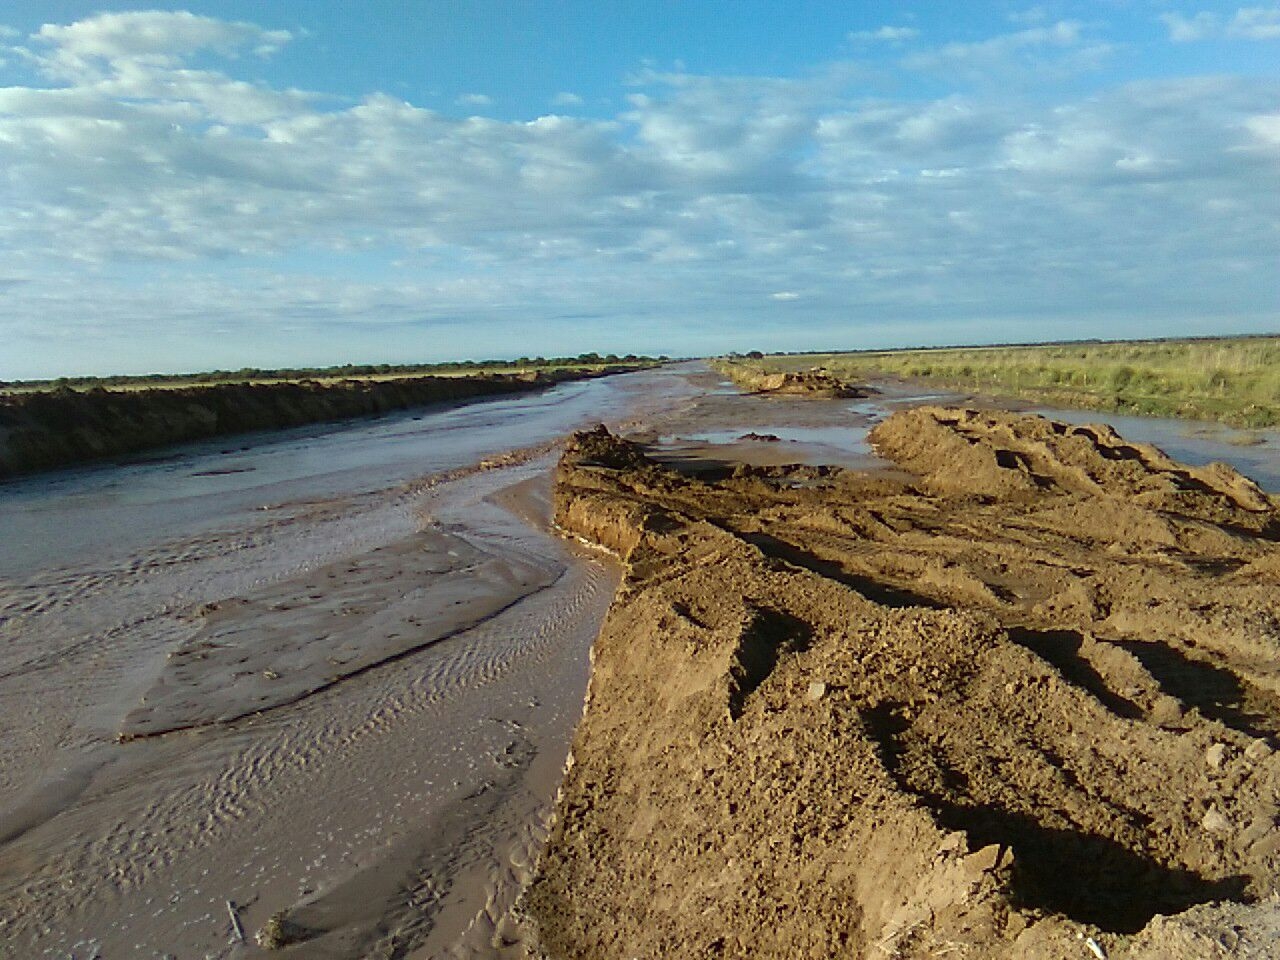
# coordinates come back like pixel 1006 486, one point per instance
pixel 255 182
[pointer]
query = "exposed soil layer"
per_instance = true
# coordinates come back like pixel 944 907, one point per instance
pixel 806 383
pixel 1019 693
pixel 40 431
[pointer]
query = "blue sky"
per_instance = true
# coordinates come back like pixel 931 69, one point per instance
pixel 227 184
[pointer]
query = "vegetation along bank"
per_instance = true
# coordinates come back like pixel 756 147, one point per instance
pixel 41 430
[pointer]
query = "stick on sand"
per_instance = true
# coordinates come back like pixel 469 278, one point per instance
pixel 235 921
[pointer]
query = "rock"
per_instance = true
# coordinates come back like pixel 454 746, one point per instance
pixel 1215 822
pixel 1166 711
pixel 817 690
pixel 990 857
pixel 1258 828
pixel 1257 751
pixel 1216 756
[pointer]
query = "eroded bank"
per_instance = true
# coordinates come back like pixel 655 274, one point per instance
pixel 1019 693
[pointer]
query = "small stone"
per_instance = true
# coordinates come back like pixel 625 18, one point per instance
pixel 1258 828
pixel 1215 822
pixel 1166 711
pixel 817 690
pixel 1216 756
pixel 990 858
pixel 1257 751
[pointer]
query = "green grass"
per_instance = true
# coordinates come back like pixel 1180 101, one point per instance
pixel 1232 380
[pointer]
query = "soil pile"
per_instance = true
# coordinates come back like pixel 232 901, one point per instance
pixel 1022 696
pixel 807 383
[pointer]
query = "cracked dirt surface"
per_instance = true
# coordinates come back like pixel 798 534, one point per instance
pixel 1019 692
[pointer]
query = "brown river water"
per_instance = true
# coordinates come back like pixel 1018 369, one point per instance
pixel 333 670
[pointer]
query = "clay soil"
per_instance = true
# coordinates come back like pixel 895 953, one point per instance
pixel 1016 697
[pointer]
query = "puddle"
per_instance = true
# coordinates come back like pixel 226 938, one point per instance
pixel 851 439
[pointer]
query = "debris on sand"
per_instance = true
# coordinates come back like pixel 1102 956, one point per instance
pixel 279 932
pixel 1018 700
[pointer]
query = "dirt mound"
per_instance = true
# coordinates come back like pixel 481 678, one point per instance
pixel 807 383
pixel 847 714
pixel 991 452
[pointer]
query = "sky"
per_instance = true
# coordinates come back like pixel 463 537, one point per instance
pixel 226 184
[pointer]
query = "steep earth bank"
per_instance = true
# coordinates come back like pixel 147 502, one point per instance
pixel 1017 699
pixel 40 431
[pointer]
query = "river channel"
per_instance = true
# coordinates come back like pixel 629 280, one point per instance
pixel 333 671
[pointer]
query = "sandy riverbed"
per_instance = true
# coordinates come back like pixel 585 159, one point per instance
pixel 354 707
pixel 320 682
pixel 407 790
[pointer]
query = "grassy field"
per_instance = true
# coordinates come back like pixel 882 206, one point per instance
pixel 325 375
pixel 1232 380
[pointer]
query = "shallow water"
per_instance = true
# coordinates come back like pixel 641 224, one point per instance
pixel 299 539
pixel 112 509
pixel 835 432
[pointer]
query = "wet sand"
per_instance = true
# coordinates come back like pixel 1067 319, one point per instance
pixel 346 693
pixel 425 772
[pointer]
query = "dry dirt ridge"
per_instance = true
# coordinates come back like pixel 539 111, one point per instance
pixel 805 383
pixel 1016 699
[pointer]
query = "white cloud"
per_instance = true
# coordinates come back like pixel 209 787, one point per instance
pixel 134 193
pixel 474 100
pixel 1247 23
pixel 566 99
pixel 151 36
pixel 887 34
pixel 1265 128
pixel 1064 33
pixel 1184 29
pixel 1036 14
pixel 1255 23
pixel 1035 56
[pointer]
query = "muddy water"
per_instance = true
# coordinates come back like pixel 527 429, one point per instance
pixel 403 642
pixel 771 430
pixel 61 518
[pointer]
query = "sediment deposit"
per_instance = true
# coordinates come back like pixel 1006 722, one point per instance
pixel 47 429
pixel 806 383
pixel 1017 698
